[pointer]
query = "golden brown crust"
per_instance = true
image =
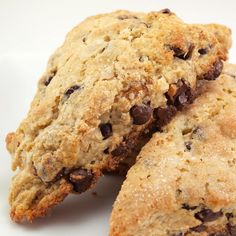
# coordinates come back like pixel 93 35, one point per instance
pixel 220 31
pixel 41 208
pixel 81 113
pixel 184 181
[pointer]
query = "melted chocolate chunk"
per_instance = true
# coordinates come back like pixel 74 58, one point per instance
pixel 164 115
pixel 165 11
pixel 71 90
pixel 199 228
pixel 187 207
pixel 214 72
pixel 179 95
pixel 141 114
pixel 207 215
pixel 178 52
pixel 203 51
pixel 106 130
pixel 81 179
pixel 188 145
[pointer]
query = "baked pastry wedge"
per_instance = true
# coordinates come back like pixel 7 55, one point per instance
pixel 114 77
pixel 184 180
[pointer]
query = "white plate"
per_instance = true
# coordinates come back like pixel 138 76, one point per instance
pixel 30 30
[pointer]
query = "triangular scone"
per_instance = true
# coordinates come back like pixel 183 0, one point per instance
pixel 115 75
pixel 184 181
pixel 221 33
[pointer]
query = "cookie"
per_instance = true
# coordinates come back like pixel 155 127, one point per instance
pixel 184 180
pixel 114 77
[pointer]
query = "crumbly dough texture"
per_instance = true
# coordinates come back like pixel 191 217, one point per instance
pixel 184 180
pixel 97 96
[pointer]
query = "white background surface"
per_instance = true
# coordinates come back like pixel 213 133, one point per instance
pixel 30 30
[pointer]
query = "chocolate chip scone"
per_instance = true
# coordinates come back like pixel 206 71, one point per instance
pixel 184 181
pixel 221 33
pixel 115 75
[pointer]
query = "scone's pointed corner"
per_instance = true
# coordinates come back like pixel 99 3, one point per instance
pixel 30 198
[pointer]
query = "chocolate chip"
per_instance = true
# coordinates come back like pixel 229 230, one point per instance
pixel 106 151
pixel 102 50
pixel 187 207
pixel 203 51
pixel 48 80
pixel 106 130
pixel 49 77
pixel 164 115
pixel 81 179
pixel 141 114
pixel 214 71
pixel 231 229
pixel 71 90
pixel 229 215
pixel 165 11
pixel 178 192
pixel 199 228
pixel 179 94
pixel 181 54
pixel 177 52
pixel 188 145
pixel 207 215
